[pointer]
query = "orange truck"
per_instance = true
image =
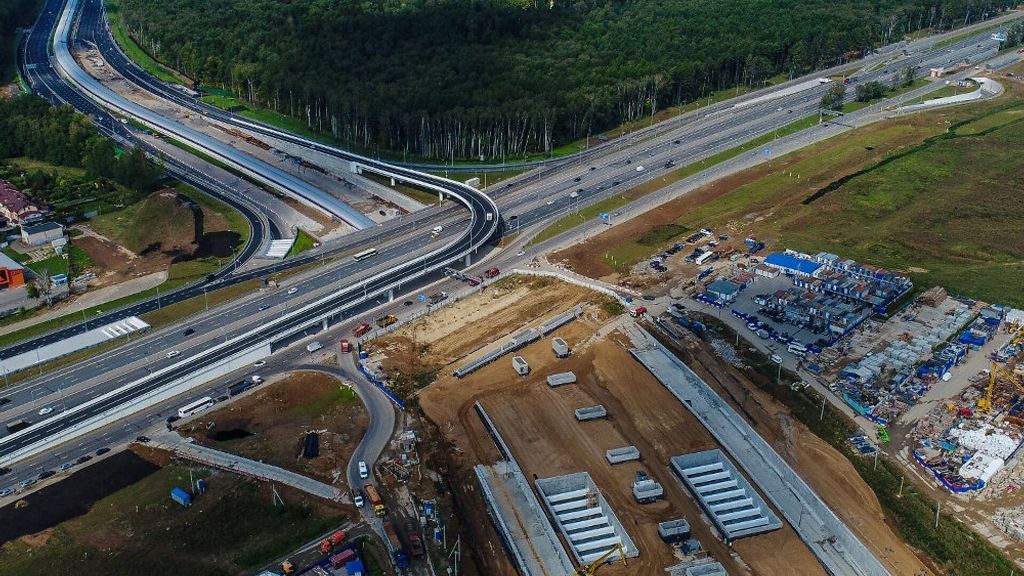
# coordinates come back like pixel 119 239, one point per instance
pixel 328 544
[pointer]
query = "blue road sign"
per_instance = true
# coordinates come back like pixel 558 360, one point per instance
pixel 423 298
pixel 767 151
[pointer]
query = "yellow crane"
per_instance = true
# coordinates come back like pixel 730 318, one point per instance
pixel 995 375
pixel 591 569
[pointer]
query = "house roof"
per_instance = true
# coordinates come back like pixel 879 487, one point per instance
pixel 13 199
pixel 723 287
pixel 44 227
pixel 792 263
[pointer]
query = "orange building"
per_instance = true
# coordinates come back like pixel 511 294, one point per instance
pixel 12 274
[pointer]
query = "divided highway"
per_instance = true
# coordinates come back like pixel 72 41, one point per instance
pixel 484 224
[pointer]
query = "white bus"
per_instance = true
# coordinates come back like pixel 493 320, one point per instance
pixel 704 258
pixel 365 254
pixel 195 407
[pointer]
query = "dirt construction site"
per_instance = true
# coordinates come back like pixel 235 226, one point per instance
pixel 538 424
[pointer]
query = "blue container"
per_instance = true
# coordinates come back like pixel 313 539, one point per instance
pixel 363 355
pixel 181 497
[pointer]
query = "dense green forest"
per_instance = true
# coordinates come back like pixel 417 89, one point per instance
pixel 31 128
pixel 13 14
pixel 501 78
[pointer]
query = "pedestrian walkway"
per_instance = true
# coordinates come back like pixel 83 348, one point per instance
pixel 216 459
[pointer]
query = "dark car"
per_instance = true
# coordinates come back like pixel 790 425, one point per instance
pixel 142 439
pixel 46 475
pixel 172 418
pixel 102 451
pixel 83 459
pixel 4 470
pixel 407 303
pixel 4 401
pixel 222 398
pixel 576 179
pixel 189 332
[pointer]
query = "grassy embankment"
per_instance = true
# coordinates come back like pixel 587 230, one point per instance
pixel 303 242
pixel 135 52
pixel 231 529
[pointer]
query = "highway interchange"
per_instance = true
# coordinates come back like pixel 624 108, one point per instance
pixel 534 199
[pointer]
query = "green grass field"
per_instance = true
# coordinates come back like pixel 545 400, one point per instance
pixel 232 529
pixel 944 206
pixel 28 165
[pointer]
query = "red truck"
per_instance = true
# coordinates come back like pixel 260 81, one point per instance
pixel 638 312
pixel 491 273
pixel 345 347
pixel 361 329
pixel 339 559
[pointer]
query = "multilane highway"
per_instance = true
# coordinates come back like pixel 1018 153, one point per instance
pixel 535 208
pixel 545 192
pixel 483 225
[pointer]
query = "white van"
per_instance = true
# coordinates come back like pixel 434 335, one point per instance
pixel 314 346
pixel 364 472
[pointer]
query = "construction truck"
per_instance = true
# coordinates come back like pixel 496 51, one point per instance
pixel 638 312
pixel 375 501
pixel 883 434
pixel 437 297
pixel 415 542
pixel 287 567
pixel 328 544
pixel 397 551
pixel 385 321
pixel 360 330
pixel 492 272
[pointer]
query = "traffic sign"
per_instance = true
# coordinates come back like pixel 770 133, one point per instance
pixel 423 298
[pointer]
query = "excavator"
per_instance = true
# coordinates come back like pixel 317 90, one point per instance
pixel 591 569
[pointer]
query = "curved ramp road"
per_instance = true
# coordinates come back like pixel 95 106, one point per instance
pixel 290 185
pixel 484 224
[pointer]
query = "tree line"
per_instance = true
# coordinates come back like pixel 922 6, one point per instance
pixel 30 127
pixel 496 79
pixel 13 15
